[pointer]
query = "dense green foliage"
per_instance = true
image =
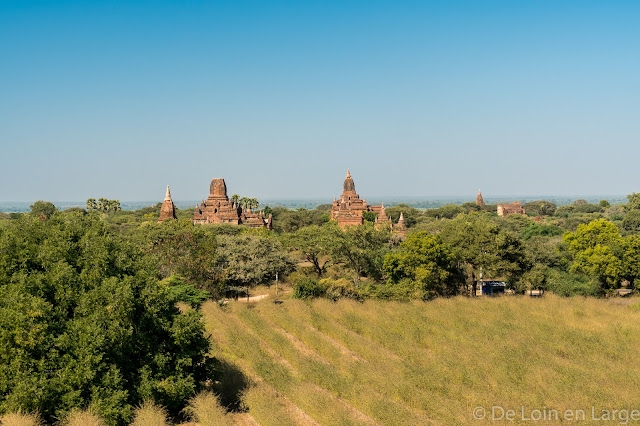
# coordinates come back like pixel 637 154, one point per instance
pixel 43 209
pixel 103 205
pixel 251 258
pixel 425 265
pixel 85 323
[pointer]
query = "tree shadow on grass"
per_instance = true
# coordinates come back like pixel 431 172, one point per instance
pixel 230 386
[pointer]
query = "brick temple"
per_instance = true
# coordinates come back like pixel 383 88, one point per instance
pixel 168 209
pixel 218 209
pixel 349 209
pixel 505 210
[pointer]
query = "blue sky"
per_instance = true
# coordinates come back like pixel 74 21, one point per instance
pixel 417 98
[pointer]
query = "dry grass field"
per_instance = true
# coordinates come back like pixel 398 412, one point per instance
pixel 391 363
pixel 421 363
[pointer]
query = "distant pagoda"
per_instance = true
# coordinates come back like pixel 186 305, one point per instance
pixel 349 208
pixel 217 208
pixel 168 209
pixel 479 199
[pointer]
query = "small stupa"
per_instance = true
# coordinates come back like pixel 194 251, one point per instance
pixel 168 209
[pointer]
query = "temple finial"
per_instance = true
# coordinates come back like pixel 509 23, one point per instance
pixel 167 196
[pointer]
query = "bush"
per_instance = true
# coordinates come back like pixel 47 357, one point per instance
pixel 535 229
pixel 339 289
pixel 308 288
pixel 402 290
pixel 181 291
pixel 569 284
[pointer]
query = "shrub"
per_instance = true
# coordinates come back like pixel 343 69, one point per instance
pixel 205 409
pixel 535 229
pixel 569 284
pixel 181 291
pixel 339 289
pixel 20 419
pixel 83 418
pixel 403 290
pixel 150 414
pixel 307 288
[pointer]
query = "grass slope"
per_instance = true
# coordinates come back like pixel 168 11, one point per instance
pixel 421 363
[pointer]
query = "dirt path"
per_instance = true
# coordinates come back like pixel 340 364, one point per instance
pixel 244 299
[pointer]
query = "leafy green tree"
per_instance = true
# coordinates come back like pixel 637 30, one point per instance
pixel 631 221
pixel 84 323
pixel 179 248
pixel 308 288
pixel 285 220
pixel 43 209
pixel 103 205
pixel 449 211
pixel 361 249
pixel 604 204
pixel 535 229
pixel 587 208
pixel 484 249
pixel 249 259
pixel 547 251
pixel 540 208
pixel 471 207
pixel 428 263
pixel 411 215
pixel 566 284
pixel 564 211
pixel 615 212
pixel 316 245
pixel 633 201
pixel 595 248
pixel 249 203
pixel 533 279
pixel 369 216
pixel 631 260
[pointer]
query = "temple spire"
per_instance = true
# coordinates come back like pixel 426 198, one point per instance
pixel 168 209
pixel 349 186
pixel 479 199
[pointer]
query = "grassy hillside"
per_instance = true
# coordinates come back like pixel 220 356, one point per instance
pixel 420 363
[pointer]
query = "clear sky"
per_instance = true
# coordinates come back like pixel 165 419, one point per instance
pixel 417 98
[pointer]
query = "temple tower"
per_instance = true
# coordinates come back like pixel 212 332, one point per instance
pixel 168 209
pixel 383 220
pixel 401 226
pixel 348 209
pixel 479 199
pixel 217 208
